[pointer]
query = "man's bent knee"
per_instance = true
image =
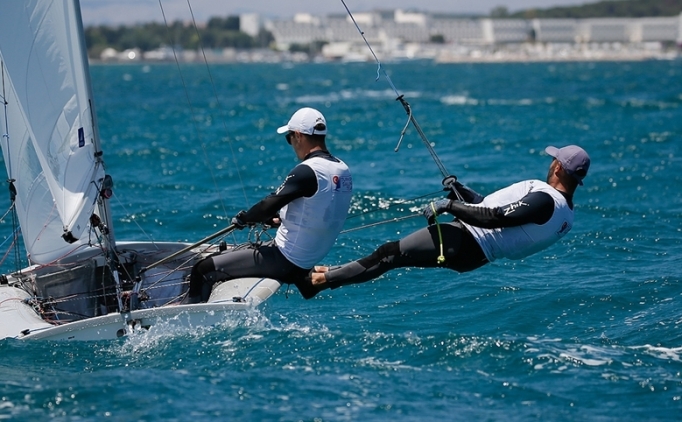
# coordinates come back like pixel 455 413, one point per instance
pixel 382 252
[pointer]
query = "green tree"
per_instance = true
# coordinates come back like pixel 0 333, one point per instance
pixel 218 33
pixel 608 8
pixel 437 39
pixel 499 12
pixel 231 23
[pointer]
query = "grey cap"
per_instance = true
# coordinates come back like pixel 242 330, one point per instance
pixel 573 159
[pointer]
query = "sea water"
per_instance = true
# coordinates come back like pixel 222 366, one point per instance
pixel 589 329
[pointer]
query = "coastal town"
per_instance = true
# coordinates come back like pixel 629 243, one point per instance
pixel 397 35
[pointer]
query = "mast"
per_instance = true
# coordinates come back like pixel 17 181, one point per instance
pixel 103 222
pixel 106 184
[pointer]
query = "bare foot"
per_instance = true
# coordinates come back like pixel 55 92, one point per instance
pixel 318 278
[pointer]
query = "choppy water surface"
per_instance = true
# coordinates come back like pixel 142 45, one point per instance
pixel 587 330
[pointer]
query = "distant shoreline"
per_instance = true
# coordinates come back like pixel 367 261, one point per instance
pixel 96 62
pixel 438 53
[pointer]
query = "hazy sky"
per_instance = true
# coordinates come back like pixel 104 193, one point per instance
pixel 130 11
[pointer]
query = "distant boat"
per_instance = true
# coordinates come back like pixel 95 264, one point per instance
pixel 81 283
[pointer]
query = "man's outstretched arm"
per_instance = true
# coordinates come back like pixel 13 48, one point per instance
pixel 536 207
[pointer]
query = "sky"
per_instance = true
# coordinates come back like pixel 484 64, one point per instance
pixel 96 12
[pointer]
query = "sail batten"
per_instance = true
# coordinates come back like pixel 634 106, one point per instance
pixel 51 147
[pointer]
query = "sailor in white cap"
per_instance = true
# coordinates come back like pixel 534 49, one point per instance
pixel 309 209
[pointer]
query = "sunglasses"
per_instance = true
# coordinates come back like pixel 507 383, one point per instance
pixel 288 137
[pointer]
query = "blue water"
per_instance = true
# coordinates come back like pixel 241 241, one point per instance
pixel 589 329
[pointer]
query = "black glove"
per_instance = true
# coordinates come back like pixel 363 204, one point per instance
pixel 273 222
pixel 238 220
pixel 439 206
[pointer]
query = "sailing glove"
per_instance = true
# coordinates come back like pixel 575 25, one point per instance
pixel 439 206
pixel 273 222
pixel 238 220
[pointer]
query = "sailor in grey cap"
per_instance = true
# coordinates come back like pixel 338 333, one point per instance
pixel 574 161
pixel 513 223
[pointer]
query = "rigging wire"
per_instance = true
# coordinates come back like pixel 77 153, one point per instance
pixel 378 223
pixel 389 220
pixel 132 217
pixel 215 94
pixel 403 102
pixel 2 219
pixel 400 97
pixel 10 181
pixel 9 249
pixel 192 111
pixel 399 203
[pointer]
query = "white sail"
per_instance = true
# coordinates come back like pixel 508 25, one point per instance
pixel 50 144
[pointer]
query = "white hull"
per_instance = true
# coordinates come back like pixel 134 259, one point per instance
pixel 19 319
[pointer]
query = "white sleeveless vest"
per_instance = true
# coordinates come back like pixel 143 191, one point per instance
pixel 310 226
pixel 522 241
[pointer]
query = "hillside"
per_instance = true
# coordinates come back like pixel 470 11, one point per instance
pixel 604 9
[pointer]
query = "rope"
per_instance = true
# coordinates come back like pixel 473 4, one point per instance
pixel 8 211
pixel 441 257
pixel 390 220
pixel 11 247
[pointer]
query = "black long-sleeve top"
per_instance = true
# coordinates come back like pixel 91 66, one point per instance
pixel 300 182
pixel 535 207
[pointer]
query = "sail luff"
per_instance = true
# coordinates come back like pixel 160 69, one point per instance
pixel 104 209
pixel 54 154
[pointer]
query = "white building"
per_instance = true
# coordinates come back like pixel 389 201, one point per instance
pixel 505 31
pixel 457 30
pixel 367 19
pixel 604 30
pixel 416 18
pixel 655 29
pixel 391 31
pixel 406 32
pixel 287 33
pixel 343 30
pixel 555 30
pixel 250 23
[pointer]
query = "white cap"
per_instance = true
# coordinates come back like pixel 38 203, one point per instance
pixel 304 121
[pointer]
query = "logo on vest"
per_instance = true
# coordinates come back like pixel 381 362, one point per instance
pixel 513 207
pixel 343 184
pixel 279 189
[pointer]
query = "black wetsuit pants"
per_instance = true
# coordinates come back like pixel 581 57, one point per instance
pixel 264 260
pixel 419 249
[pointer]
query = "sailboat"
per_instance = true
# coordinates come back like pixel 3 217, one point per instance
pixel 80 283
